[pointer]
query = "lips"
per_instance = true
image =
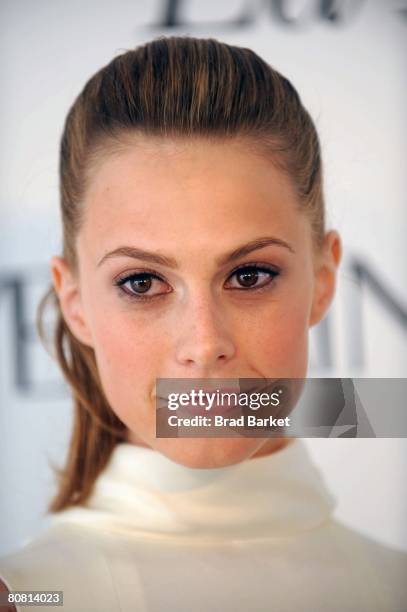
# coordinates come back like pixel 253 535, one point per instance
pixel 204 400
pixel 222 390
pixel 197 389
pixel 210 407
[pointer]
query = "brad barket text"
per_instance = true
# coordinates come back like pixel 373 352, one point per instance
pixel 218 420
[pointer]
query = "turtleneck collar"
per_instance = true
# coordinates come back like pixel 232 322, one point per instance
pixel 144 493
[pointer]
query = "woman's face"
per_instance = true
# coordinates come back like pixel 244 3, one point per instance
pixel 162 290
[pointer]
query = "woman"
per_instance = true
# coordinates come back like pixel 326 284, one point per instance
pixel 194 247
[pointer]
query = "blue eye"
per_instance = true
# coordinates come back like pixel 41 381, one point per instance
pixel 148 285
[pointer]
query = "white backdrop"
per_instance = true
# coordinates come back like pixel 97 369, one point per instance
pixel 351 74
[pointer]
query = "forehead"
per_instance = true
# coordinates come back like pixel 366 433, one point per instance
pixel 170 188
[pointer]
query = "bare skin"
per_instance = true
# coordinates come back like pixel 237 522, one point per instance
pixel 194 202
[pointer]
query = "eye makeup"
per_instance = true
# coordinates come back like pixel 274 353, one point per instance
pixel 146 279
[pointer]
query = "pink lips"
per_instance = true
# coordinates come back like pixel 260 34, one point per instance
pixel 222 390
pixel 211 406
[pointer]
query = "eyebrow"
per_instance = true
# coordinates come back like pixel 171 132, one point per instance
pixel 170 262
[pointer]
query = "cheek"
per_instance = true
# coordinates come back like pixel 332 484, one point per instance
pixel 281 349
pixel 128 353
pixel 279 336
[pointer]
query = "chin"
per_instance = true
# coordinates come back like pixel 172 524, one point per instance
pixel 208 453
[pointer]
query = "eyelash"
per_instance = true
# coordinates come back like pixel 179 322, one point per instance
pixel 121 281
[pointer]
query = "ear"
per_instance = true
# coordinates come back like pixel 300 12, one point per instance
pixel 67 289
pixel 326 267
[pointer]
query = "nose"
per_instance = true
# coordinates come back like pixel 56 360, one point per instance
pixel 204 341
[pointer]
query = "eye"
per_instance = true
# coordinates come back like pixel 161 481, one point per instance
pixel 147 285
pixel 253 276
pixel 141 285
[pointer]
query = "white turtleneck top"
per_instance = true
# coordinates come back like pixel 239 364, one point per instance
pixel 156 536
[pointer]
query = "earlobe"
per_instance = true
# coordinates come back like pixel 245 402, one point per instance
pixel 325 277
pixel 67 289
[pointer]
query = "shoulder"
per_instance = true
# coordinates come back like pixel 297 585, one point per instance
pixel 48 555
pixel 380 568
pixel 364 546
pixel 63 558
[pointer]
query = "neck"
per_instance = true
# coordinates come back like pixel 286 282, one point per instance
pixel 269 447
pixel 272 446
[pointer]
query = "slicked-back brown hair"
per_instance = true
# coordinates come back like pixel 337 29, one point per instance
pixel 176 86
